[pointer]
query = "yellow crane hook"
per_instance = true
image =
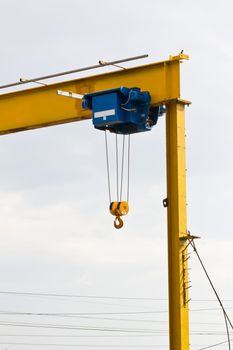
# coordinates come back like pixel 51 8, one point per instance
pixel 118 222
pixel 119 209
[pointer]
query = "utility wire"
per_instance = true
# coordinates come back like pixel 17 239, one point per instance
pixel 216 344
pixel 102 318
pixel 81 296
pixel 226 317
pixel 85 345
pixel 12 313
pixel 71 327
pixel 80 336
pixel 99 296
pixel 211 309
pixel 84 314
pixel 228 334
pixel 108 313
pixel 82 317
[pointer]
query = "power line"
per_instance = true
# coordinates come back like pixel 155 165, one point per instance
pixel 100 296
pixel 212 309
pixel 80 336
pixel 81 296
pixel 157 333
pixel 226 317
pixel 85 314
pixel 106 318
pixel 77 316
pixel 104 329
pixel 100 313
pixel 216 344
pixel 71 327
pixel 86 345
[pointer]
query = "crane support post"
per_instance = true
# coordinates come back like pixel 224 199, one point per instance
pixel 41 106
pixel 177 227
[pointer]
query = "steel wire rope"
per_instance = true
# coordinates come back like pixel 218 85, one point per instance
pixel 226 317
pixel 117 169
pixel 122 166
pixel 128 175
pixel 107 164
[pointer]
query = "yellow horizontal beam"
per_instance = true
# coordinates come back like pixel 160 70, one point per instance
pixel 41 106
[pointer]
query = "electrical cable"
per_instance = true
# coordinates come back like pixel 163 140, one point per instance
pixel 80 336
pixel 128 99
pixel 57 295
pixel 103 313
pixel 80 296
pixel 157 333
pixel 214 345
pixel 226 317
pixel 71 327
pixel 211 309
pixel 11 313
pixel 121 313
pixel 60 315
pixel 227 329
pixel 84 345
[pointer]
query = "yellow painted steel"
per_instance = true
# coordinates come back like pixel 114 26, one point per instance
pixel 118 222
pixel 177 227
pixel 41 106
pixel 119 208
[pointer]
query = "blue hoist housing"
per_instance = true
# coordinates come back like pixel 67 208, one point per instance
pixel 122 110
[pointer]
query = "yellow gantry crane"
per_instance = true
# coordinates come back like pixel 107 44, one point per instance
pixel 41 106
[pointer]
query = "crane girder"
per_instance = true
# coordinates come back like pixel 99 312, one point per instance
pixel 41 106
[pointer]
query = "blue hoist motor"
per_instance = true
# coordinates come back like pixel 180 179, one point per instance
pixel 122 110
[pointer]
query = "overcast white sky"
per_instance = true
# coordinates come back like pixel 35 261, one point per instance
pixel 55 230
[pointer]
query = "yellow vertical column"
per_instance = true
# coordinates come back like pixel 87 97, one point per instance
pixel 177 227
